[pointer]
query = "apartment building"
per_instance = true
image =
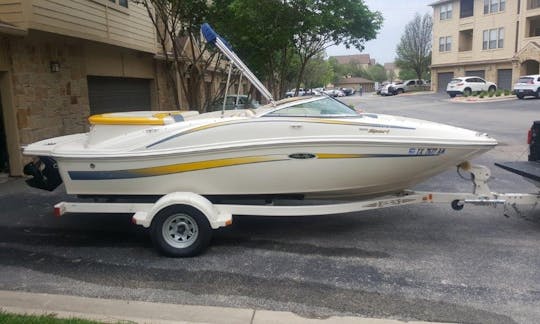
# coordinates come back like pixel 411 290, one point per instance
pixel 61 61
pixel 498 40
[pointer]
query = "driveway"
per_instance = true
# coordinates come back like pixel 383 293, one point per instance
pixel 411 263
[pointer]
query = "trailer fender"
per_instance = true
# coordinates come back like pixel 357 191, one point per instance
pixel 216 217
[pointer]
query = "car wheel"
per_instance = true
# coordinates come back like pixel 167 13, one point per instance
pixel 492 89
pixel 453 95
pixel 519 96
pixel 180 231
pixel 400 91
pixel 467 92
pixel 538 93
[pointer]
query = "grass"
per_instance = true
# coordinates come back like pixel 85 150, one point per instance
pixel 40 319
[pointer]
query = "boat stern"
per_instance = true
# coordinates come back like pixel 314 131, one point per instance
pixel 43 169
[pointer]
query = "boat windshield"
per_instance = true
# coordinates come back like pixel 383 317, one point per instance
pixel 324 107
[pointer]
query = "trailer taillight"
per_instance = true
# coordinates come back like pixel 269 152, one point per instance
pixel 529 136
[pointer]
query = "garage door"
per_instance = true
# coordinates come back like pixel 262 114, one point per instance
pixel 443 79
pixel 477 73
pixel 108 94
pixel 504 79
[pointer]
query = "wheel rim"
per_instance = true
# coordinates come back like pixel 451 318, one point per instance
pixel 180 230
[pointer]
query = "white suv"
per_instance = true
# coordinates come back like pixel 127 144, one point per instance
pixel 528 85
pixel 468 85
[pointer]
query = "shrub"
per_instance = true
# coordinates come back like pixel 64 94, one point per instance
pixel 491 94
pixel 507 92
pixel 481 95
pixel 498 93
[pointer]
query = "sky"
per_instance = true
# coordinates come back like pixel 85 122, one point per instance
pixel 396 13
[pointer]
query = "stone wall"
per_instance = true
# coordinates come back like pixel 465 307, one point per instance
pixel 48 104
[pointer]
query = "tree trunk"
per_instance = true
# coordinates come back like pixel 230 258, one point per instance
pixel 303 63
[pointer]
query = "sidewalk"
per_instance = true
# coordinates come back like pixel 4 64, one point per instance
pixel 112 311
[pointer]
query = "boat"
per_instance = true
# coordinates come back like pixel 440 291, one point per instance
pixel 307 147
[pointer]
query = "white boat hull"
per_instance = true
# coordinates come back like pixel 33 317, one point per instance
pixel 329 170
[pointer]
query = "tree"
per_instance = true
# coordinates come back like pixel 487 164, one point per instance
pixel 282 33
pixel 375 73
pixel 187 57
pixel 414 48
pixel 318 73
pixel 321 24
pixel 407 74
pixel 266 44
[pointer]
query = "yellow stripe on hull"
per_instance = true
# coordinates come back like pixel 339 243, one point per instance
pixel 203 165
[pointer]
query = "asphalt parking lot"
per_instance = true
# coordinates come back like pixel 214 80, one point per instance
pixel 421 262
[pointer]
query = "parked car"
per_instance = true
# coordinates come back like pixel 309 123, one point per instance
pixel 292 92
pixel 414 85
pixel 244 102
pixel 468 85
pixel 334 93
pixel 528 85
pixel 348 91
pixel 381 86
pixel 392 89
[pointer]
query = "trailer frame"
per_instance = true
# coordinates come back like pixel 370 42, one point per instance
pixel 191 217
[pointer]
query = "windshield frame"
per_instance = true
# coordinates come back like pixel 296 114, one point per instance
pixel 270 111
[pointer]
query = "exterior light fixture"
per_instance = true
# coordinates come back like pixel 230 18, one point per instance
pixel 55 66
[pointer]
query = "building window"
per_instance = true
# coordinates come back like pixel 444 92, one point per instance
pixel 466 8
pixel 446 11
pixel 445 44
pixel 493 38
pixel 533 4
pixel 123 3
pixel 492 6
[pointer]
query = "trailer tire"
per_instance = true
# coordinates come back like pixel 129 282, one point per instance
pixel 457 205
pixel 180 231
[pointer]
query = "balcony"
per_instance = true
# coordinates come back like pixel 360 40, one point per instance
pixel 532 27
pixel 465 40
pixel 107 21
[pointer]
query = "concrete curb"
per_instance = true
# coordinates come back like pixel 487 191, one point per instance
pixel 113 311
pixel 507 98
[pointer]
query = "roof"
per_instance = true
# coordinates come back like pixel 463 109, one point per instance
pixel 7 28
pixel 436 3
pixel 353 81
pixel 389 66
pixel 358 58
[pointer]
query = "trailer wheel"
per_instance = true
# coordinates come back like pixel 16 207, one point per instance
pixel 180 231
pixel 457 205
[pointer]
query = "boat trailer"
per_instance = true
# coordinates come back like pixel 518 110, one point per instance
pixel 181 223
